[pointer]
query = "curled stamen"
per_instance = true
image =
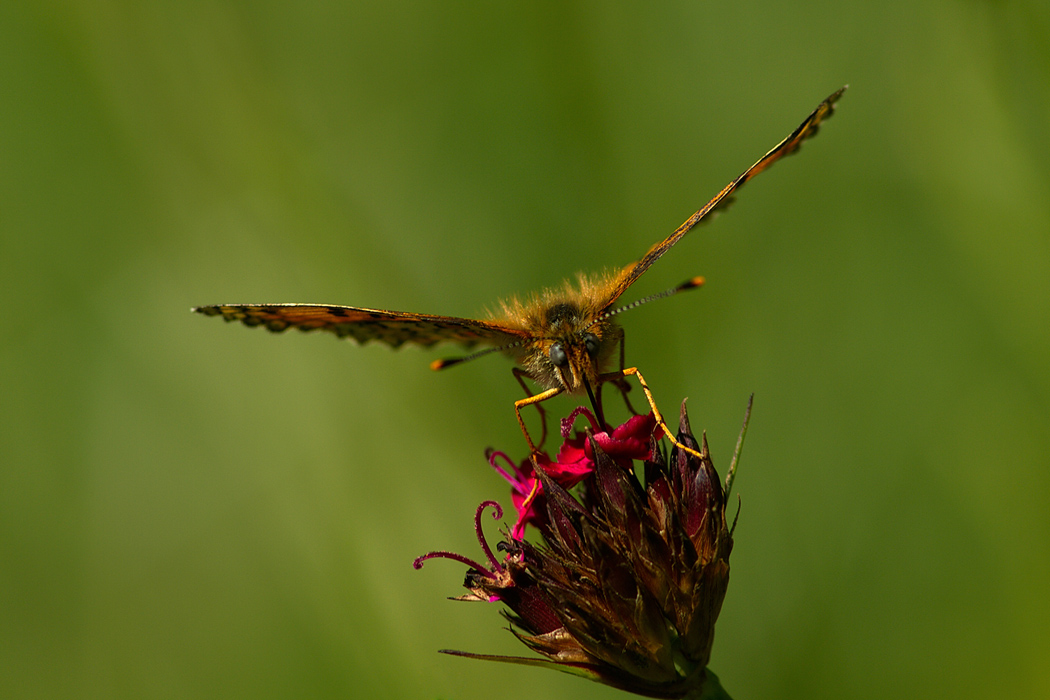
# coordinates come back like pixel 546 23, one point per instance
pixel 442 554
pixel 496 515
pixel 517 479
pixel 566 423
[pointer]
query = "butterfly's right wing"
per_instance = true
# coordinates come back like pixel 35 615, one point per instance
pixel 807 129
pixel 394 328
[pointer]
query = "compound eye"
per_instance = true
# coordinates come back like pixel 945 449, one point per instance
pixel 591 342
pixel 558 356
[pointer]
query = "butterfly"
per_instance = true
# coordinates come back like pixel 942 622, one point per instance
pixel 562 339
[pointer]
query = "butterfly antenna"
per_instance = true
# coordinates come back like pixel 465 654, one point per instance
pixel 688 284
pixel 449 361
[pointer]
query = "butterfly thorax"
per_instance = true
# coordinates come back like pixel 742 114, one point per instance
pixel 568 342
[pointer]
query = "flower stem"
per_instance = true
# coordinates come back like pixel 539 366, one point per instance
pixel 711 690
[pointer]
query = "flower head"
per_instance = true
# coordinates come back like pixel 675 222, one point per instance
pixel 573 464
pixel 629 577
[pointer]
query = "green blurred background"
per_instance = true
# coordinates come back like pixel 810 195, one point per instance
pixel 195 510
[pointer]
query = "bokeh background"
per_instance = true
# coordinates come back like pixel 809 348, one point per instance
pixel 195 510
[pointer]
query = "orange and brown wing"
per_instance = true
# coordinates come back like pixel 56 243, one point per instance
pixel 394 328
pixel 807 129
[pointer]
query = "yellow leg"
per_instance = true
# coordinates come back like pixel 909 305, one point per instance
pixel 529 401
pixel 520 375
pixel 612 376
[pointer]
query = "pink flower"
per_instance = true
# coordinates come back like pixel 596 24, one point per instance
pixel 629 579
pixel 575 462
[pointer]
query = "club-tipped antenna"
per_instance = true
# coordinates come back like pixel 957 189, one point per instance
pixel 691 283
pixel 450 361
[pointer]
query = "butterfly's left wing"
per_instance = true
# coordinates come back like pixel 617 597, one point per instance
pixel 807 129
pixel 394 328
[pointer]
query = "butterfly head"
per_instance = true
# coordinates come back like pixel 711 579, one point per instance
pixel 569 347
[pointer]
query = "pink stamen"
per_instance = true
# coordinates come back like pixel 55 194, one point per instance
pixel 496 566
pixel 418 563
pixel 496 515
pixel 566 423
pixel 517 479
